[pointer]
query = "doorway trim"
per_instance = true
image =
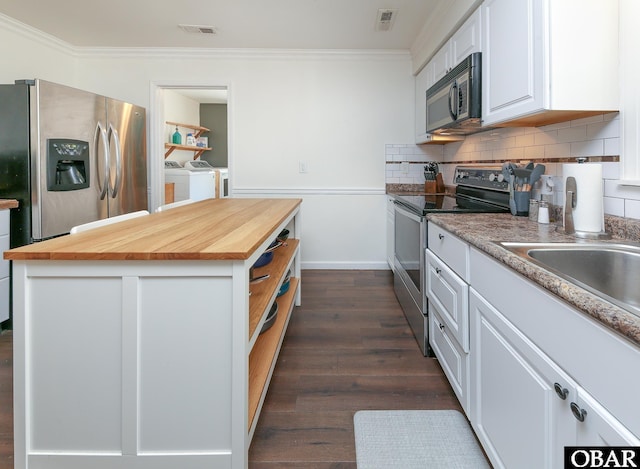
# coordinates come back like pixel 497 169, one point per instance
pixel 156 133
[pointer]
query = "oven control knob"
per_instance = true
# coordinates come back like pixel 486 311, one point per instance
pixel 492 177
pixel 500 177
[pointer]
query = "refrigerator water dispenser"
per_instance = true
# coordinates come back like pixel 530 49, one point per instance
pixel 67 164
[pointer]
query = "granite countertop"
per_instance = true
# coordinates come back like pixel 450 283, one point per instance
pixel 483 230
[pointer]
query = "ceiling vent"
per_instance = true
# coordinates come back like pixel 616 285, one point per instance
pixel 385 19
pixel 198 29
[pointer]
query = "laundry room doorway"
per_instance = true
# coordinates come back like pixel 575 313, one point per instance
pixel 191 105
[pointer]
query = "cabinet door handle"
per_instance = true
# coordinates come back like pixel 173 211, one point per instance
pixel 441 326
pixel 438 270
pixel 440 236
pixel 560 391
pixel 578 413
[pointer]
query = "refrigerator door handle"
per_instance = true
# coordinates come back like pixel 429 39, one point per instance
pixel 113 133
pixel 103 182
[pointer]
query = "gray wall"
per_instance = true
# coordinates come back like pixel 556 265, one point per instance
pixel 214 117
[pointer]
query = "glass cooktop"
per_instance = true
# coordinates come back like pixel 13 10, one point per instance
pixel 427 203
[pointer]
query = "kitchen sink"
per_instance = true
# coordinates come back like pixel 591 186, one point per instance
pixel 606 269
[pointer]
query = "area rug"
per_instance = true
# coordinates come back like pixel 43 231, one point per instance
pixel 415 439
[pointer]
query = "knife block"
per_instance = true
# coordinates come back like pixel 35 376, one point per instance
pixel 435 187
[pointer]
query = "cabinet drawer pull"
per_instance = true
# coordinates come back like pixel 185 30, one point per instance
pixel 441 236
pixel 438 270
pixel 578 413
pixel 560 391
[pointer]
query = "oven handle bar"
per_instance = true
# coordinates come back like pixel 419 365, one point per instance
pixel 403 210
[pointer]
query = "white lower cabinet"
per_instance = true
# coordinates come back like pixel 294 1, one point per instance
pixel 543 375
pixel 536 375
pixel 600 428
pixel 448 294
pixel 453 360
pixel 520 419
pixel 525 408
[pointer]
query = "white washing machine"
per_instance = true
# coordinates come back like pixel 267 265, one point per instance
pixel 195 181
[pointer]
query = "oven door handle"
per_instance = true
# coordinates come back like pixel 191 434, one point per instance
pixel 403 211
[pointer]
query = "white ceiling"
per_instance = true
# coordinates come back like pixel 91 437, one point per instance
pixel 280 24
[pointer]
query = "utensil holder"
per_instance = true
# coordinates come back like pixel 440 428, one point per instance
pixel 521 199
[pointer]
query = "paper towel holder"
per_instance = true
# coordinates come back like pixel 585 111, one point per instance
pixel 570 201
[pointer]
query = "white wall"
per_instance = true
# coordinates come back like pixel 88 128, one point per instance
pixel 183 110
pixel 332 110
pixel 27 54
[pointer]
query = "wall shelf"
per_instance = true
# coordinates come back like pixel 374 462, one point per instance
pixel 173 146
pixel 198 130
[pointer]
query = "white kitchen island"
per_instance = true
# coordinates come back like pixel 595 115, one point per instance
pixel 138 345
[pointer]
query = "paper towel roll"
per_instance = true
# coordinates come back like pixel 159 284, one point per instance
pixel 588 215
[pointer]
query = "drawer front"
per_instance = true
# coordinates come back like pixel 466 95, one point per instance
pixel 4 299
pixel 453 360
pixel 4 265
pixel 451 249
pixel 451 294
pixel 4 222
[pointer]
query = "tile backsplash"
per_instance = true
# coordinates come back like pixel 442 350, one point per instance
pixel 595 138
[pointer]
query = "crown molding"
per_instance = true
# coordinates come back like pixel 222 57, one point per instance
pixel 28 32
pixel 242 54
pixel 199 53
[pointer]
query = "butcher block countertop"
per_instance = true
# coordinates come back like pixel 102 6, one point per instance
pixel 8 203
pixel 212 229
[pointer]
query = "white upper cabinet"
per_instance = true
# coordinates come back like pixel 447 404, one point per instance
pixel 441 62
pixel 465 41
pixel 424 80
pixel 548 61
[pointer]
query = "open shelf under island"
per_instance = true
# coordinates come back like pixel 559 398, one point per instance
pixel 138 344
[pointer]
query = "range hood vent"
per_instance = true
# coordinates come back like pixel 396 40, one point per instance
pixel 198 29
pixel 385 19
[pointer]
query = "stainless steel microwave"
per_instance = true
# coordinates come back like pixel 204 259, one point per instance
pixel 454 103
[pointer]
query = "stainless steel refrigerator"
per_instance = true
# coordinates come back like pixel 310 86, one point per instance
pixel 69 157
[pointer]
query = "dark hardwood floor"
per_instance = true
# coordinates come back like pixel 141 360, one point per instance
pixel 348 348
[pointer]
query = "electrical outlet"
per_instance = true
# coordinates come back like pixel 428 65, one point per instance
pixel 302 166
pixel 404 167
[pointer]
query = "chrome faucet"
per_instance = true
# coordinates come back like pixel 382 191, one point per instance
pixel 570 201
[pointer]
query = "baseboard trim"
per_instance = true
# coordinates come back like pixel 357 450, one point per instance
pixel 343 265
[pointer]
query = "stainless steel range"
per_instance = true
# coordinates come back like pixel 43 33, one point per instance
pixel 479 189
